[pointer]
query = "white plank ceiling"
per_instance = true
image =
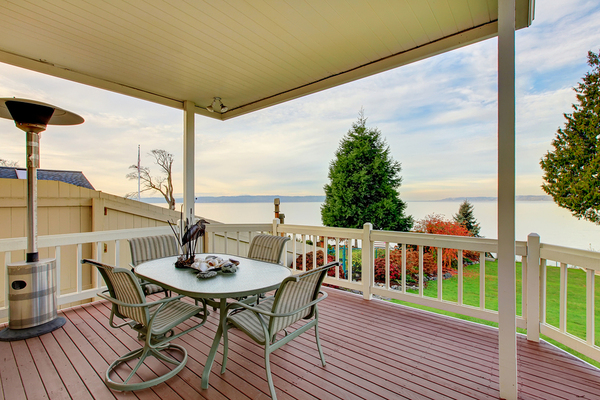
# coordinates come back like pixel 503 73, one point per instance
pixel 251 53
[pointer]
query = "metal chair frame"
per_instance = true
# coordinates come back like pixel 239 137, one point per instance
pixel 264 313
pixel 156 341
pixel 142 250
pixel 274 243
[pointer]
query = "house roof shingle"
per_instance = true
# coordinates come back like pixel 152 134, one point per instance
pixel 72 177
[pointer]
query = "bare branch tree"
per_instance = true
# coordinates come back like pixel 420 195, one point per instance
pixel 162 184
pixel 8 163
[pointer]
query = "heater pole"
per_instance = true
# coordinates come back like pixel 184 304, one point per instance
pixel 33 157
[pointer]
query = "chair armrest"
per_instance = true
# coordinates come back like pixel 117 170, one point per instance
pixel 151 304
pixel 270 314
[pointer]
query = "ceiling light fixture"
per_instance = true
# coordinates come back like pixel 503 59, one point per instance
pixel 217 105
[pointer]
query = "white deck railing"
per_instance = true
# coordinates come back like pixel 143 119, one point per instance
pixel 337 243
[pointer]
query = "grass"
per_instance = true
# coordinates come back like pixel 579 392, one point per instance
pixel 576 299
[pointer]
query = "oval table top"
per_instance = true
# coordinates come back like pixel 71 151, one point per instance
pixel 252 277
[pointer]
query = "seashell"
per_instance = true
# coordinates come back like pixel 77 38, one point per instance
pixel 235 262
pixel 209 257
pixel 204 267
pixel 229 268
pixel 207 274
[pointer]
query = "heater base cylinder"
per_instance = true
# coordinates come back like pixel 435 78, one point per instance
pixel 32 298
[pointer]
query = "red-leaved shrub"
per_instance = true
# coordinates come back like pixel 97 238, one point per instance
pixel 320 262
pixel 412 266
pixel 438 225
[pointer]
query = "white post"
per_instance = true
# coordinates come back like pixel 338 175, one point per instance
pixel 367 261
pixel 533 287
pixel 189 205
pixel 507 324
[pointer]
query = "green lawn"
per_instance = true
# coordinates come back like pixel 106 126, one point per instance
pixel 576 298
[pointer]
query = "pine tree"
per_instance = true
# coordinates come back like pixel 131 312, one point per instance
pixel 572 169
pixel 466 218
pixel 364 183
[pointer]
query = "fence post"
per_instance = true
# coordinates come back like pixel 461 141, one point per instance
pixel 275 226
pixel 367 261
pixel 533 287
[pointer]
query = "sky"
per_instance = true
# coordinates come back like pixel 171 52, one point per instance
pixel 438 116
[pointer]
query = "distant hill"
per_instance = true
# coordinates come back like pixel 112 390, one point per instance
pixel 244 199
pixel 517 198
pixel 315 199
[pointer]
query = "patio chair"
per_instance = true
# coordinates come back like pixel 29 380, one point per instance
pixel 149 248
pixel 153 321
pixel 295 300
pixel 267 248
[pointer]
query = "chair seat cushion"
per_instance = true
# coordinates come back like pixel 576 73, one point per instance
pixel 174 313
pixel 152 288
pixel 248 321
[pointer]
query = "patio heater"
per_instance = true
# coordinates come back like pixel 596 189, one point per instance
pixel 32 299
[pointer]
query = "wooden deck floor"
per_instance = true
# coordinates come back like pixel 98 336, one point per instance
pixel 374 350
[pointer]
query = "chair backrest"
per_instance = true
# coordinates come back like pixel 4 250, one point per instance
pixel 267 248
pixel 124 286
pixel 152 247
pixel 295 292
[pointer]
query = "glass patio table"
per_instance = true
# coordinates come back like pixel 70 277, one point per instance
pixel 252 277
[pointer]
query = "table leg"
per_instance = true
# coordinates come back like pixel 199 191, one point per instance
pixel 215 345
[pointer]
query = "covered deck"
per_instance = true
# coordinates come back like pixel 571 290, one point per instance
pixel 374 350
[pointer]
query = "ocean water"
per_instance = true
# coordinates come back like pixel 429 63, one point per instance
pixel 554 224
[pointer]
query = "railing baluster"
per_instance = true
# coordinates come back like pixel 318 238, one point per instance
pixel 57 257
pixel 7 260
pixel 295 251
pixel 459 260
pixel 237 240
pixel 314 240
pixel 590 329
pixel 387 265
pixel 404 256
pixel 79 268
pixel 349 266
pixel 303 252
pixel 440 273
pixel 95 274
pixel 421 281
pixel 337 257
pixel 563 298
pixel 117 253
pixel 326 250
pixel 482 281
pixel 285 252
pixel 225 234
pixel 543 280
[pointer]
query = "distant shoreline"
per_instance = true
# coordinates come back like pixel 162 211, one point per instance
pixel 321 199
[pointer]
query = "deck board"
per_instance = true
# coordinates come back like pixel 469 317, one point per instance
pixel 374 350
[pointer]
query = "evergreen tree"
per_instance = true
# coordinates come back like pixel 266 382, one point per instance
pixel 364 182
pixel 572 169
pixel 466 218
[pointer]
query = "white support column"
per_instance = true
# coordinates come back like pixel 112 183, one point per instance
pixel 188 160
pixel 507 346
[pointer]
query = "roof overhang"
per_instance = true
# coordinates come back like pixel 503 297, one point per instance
pixel 250 55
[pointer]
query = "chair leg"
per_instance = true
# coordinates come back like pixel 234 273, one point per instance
pixel 269 377
pixel 143 353
pixel 319 341
pixel 225 348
